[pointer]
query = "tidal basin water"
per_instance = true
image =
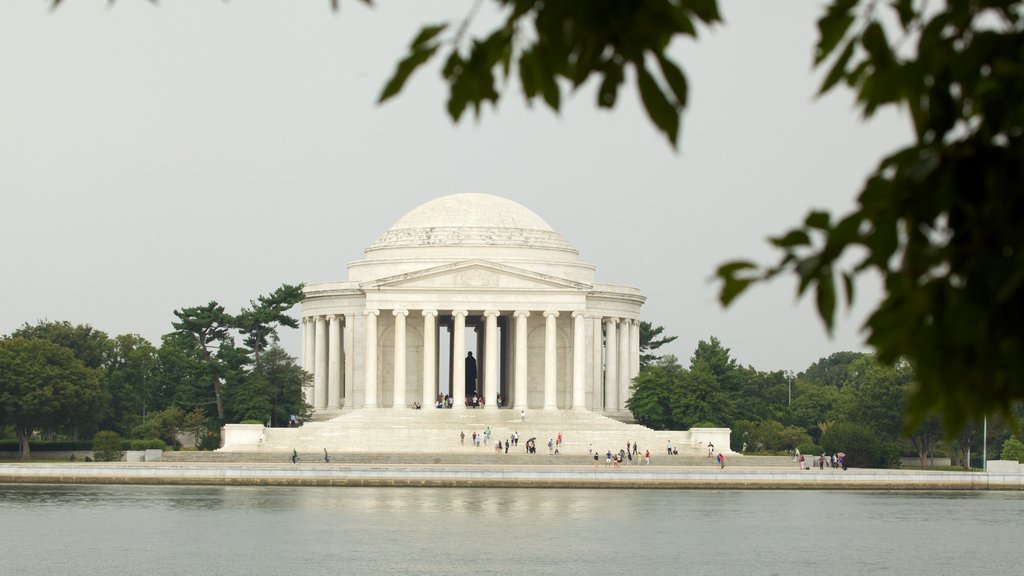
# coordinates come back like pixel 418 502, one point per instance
pixel 156 530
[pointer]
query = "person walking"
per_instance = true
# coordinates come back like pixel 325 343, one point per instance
pixel 295 456
pixel 721 460
pixel 327 459
pixel 462 438
pixel 647 457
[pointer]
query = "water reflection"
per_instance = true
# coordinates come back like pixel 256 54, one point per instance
pixel 237 530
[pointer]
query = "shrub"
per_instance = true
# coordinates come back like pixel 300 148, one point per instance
pixel 42 446
pixel 861 445
pixel 1013 449
pixel 149 444
pixel 251 422
pixel 211 441
pixel 810 448
pixel 106 446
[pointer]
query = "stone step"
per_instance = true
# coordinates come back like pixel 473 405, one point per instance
pixel 471 456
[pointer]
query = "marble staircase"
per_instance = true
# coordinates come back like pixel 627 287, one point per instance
pixel 430 430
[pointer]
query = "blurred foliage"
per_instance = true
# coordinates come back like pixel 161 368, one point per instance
pixel 942 220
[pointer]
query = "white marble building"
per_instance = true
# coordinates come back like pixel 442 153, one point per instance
pixel 470 272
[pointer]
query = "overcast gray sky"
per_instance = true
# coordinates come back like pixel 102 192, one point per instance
pixel 153 158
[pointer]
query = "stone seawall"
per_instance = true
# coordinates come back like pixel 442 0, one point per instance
pixel 501 476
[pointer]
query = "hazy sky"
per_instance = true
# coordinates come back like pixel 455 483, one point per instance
pixel 153 158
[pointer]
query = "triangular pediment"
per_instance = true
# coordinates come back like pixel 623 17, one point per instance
pixel 475 275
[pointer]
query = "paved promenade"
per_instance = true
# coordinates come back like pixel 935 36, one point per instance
pixel 501 475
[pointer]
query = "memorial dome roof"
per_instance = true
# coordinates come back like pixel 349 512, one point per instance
pixel 471 220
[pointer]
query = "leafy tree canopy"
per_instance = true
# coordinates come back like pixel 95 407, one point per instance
pixel 43 385
pixel 85 342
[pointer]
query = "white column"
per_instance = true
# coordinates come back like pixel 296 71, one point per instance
pixel 624 363
pixel 370 355
pixel 611 369
pixel 491 360
pixel 550 360
pixel 597 366
pixel 459 359
pixel 429 358
pixel 521 392
pixel 334 362
pixel 320 365
pixel 579 393
pixel 308 327
pixel 348 335
pixel 634 350
pixel 399 393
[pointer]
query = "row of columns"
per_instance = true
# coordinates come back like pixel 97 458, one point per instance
pixel 323 334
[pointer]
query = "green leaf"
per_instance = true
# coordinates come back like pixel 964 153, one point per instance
pixel 404 69
pixel 706 10
pixel 791 239
pixel 427 33
pixel 675 78
pixel 818 220
pixel 528 74
pixel 832 28
pixel 848 286
pixel 733 286
pixel 826 299
pixel 838 69
pixel 609 90
pixel 875 42
pixel 659 109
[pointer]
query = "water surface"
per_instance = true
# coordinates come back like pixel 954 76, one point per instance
pixel 165 530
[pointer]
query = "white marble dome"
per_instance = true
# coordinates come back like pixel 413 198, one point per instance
pixel 469 220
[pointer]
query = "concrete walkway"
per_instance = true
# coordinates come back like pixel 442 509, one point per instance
pixel 501 475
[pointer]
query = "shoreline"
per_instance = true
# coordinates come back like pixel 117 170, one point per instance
pixel 505 476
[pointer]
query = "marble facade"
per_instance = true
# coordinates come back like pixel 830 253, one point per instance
pixel 547 336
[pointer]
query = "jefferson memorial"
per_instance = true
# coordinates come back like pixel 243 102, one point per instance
pixel 547 336
pixel 474 303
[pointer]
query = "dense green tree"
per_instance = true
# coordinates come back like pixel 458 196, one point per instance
pixel 815 406
pixel 653 392
pixel 287 381
pixel 831 371
pixel 197 423
pixel 260 322
pixel 878 397
pixel 650 340
pixel 925 437
pixel 184 375
pixel 85 342
pixel 761 395
pixel 965 442
pixel 767 435
pixel 1013 449
pixel 43 385
pixel 861 445
pixel 163 425
pixel 131 375
pixel 208 326
pixel 701 399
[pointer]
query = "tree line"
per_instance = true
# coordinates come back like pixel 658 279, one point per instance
pixel 69 381
pixel 848 401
